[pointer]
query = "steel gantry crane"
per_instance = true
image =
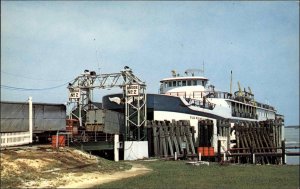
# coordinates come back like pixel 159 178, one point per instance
pixel 134 97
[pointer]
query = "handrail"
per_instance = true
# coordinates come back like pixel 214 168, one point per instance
pixel 218 94
pixel 201 103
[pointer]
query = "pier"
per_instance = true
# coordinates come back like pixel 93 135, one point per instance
pixel 254 143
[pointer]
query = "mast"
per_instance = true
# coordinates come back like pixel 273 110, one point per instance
pixel 231 82
pixel 203 67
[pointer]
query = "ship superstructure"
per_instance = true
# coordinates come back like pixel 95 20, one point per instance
pixel 195 92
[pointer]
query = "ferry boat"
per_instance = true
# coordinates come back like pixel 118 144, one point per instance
pixel 197 95
pixel 191 97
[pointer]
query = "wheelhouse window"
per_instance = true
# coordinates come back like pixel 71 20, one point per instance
pixel 179 83
pixel 166 84
pixel 174 83
pixel 194 82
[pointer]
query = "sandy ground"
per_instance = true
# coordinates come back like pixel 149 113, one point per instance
pixel 43 167
pixel 94 179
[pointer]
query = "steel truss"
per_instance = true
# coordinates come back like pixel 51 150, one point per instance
pixel 134 97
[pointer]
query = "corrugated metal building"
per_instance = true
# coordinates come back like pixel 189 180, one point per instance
pixel 46 117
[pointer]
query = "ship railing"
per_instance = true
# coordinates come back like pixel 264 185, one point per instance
pixel 219 94
pixel 212 94
pixel 200 103
pixel 194 94
pixel 244 114
pixel 265 106
pixel 179 94
pixel 248 98
pixel 201 94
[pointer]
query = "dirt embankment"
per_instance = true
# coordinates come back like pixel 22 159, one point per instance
pixel 43 167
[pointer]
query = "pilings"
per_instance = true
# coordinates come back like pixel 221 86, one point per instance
pixel 242 142
pixel 169 138
pixel 258 142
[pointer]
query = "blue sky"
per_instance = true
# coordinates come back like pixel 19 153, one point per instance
pixel 47 44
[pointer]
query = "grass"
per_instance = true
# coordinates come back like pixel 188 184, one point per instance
pixel 171 174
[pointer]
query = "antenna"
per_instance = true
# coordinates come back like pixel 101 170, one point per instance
pixel 203 67
pixel 97 59
pixel 98 64
pixel 231 82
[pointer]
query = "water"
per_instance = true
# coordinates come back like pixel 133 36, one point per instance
pixel 292 139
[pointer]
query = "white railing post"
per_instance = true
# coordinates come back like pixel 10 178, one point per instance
pixel 30 119
pixel 6 138
pixel 116 147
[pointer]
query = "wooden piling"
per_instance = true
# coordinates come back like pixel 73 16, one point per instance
pixel 283 152
pixel 219 151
